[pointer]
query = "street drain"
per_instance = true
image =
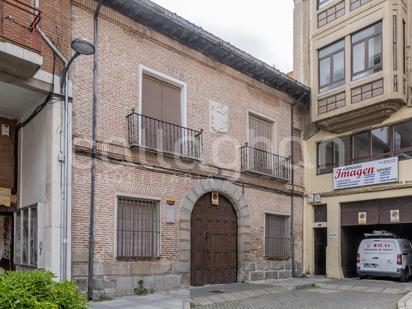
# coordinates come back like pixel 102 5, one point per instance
pixel 217 291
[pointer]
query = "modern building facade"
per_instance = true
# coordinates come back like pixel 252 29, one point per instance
pixel 31 162
pixel 355 56
pixel 195 182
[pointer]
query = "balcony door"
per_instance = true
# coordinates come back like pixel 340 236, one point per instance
pixel 261 139
pixel 162 115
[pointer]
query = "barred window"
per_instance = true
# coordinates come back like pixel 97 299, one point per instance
pixel 138 228
pixel 25 239
pixel 277 236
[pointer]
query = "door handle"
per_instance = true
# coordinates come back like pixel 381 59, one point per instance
pixel 206 235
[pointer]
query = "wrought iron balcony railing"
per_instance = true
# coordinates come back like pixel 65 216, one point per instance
pixel 264 163
pixel 18 24
pixel 165 137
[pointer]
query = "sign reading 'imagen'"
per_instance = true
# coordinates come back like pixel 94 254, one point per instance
pixel 366 174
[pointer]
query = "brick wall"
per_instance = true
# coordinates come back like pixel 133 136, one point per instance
pixel 54 21
pixel 124 46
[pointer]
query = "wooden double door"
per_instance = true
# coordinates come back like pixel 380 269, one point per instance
pixel 213 242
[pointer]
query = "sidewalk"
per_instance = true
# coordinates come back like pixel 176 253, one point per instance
pixel 208 294
pixel 220 293
pixel 160 300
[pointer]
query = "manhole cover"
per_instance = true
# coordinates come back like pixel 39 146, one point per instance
pixel 217 291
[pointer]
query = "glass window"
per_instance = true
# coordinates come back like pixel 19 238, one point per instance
pixel 325 157
pixel 367 51
pixel 342 151
pixel 322 2
pixel 138 231
pixel 277 236
pixel 332 66
pixel 380 142
pixel 17 238
pixel 26 236
pixel 360 147
pixel 324 66
pixel 33 236
pixel 359 57
pixel 402 135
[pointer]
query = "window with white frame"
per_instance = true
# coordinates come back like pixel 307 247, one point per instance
pixel 26 236
pixel 277 236
pixel 162 116
pixel 138 228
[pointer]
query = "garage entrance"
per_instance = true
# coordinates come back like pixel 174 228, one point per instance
pixel 213 241
pixel 358 218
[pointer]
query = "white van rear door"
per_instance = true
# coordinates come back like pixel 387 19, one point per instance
pixel 378 255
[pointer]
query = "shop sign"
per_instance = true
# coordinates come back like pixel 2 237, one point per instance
pixel 366 174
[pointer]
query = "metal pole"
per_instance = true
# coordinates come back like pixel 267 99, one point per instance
pixel 65 172
pixel 90 273
pixel 65 199
pixel 292 179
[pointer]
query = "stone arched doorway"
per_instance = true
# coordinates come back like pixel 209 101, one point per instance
pixel 214 241
pixel 235 195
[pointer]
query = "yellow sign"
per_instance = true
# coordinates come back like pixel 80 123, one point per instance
pixel 361 217
pixel 215 198
pixel 5 197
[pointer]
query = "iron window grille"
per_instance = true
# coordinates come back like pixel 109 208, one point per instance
pixel 138 228
pixel 277 236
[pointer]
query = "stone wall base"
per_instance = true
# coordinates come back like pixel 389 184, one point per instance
pixel 116 286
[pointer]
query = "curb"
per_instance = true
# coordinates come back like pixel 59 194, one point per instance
pixel 186 304
pixel 302 286
pixel 405 302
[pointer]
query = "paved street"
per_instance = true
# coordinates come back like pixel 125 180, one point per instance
pixel 313 298
pixel 309 293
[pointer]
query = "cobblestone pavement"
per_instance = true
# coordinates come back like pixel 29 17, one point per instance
pixel 313 298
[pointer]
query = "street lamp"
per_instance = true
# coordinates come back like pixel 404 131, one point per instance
pixel 81 46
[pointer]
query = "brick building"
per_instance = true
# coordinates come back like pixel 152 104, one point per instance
pixel 31 133
pixel 193 165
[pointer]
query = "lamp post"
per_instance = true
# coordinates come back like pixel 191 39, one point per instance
pixel 81 46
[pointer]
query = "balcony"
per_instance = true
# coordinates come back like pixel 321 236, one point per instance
pixel 20 44
pixel 163 137
pixel 260 162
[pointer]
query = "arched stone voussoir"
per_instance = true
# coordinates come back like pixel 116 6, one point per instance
pixel 235 194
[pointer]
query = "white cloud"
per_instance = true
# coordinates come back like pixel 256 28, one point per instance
pixel 263 28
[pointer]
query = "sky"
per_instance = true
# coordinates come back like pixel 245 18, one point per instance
pixel 263 28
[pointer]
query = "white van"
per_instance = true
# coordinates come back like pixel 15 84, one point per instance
pixel 382 254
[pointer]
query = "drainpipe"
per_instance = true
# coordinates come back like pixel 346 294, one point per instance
pixel 90 273
pixel 65 198
pixel 292 180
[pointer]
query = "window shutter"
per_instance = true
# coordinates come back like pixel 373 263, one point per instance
pixel 260 133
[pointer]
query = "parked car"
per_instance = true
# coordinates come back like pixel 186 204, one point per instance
pixel 383 254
